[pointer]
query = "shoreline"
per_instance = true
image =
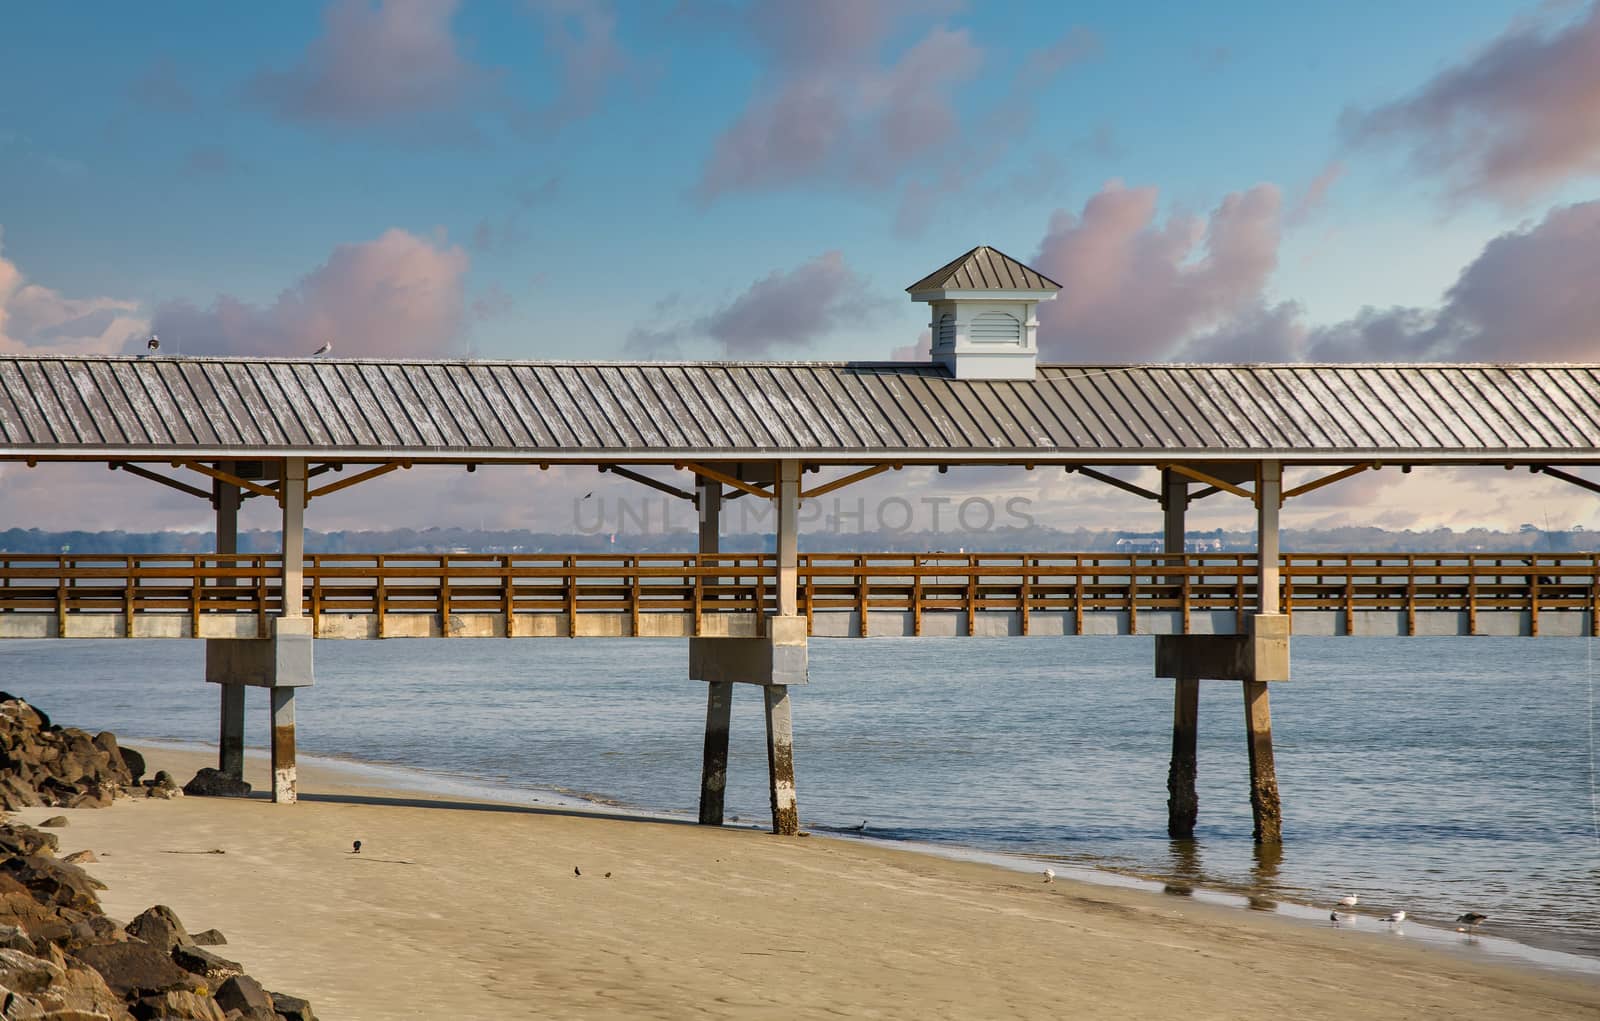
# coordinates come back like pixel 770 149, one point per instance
pixel 425 781
pixel 469 908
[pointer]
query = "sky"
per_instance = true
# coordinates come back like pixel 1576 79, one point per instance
pixel 718 179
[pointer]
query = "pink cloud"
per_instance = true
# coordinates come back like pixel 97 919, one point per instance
pixel 1528 296
pixel 784 309
pixel 396 296
pixel 1518 118
pixel 1310 203
pixel 37 319
pixel 1135 288
pixel 832 106
pixel 373 64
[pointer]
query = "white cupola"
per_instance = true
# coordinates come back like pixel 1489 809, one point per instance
pixel 984 314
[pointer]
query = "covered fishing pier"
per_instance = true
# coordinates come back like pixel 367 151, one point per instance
pixel 291 431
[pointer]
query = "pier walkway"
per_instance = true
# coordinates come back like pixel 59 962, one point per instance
pixel 352 596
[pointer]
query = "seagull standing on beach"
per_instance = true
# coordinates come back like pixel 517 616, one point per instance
pixel 1471 920
pixel 860 829
pixel 1396 918
pixel 357 848
pixel 1349 901
pixel 1049 875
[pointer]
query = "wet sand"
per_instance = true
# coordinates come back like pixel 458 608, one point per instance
pixel 471 909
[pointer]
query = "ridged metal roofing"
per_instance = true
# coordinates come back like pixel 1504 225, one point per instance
pixel 985 269
pixel 159 408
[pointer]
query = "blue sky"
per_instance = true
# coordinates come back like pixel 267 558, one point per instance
pixel 586 178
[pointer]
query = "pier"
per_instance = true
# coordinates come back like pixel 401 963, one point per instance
pixel 293 431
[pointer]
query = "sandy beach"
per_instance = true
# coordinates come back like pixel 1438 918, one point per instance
pixel 466 910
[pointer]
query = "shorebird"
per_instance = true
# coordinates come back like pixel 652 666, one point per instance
pixel 326 348
pixel 1396 918
pixel 357 848
pixel 860 829
pixel 575 871
pixel 1471 920
pixel 1333 916
pixel 1049 875
pixel 153 344
pixel 1349 901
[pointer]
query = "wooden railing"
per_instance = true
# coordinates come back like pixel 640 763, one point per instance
pixel 914 583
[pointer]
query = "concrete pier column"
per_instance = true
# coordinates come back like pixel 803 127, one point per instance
pixel 230 742
pixel 230 737
pixel 719 694
pixel 787 627
pixel 293 500
pixel 283 768
pixel 1264 804
pixel 780 761
pixel 1183 804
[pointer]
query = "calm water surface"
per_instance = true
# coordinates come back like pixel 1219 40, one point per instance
pixel 1437 775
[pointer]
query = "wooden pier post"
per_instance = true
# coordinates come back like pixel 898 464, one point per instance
pixel 1183 803
pixel 719 694
pixel 1264 803
pixel 230 738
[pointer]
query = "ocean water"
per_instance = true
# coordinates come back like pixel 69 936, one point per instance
pixel 1435 775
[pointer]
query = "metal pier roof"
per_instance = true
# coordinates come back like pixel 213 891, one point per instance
pixel 166 407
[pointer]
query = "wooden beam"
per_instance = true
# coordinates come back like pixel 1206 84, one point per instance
pixel 645 480
pixel 356 479
pixel 145 473
pixel 228 477
pixel 1576 480
pixel 1201 494
pixel 840 483
pixel 724 478
pixel 1112 480
pixel 1328 480
pixel 1199 476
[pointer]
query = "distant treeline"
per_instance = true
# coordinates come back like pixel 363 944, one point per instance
pixel 1034 539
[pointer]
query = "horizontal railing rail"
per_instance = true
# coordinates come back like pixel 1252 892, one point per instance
pixel 917 584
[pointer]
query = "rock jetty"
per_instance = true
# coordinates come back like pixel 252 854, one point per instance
pixel 61 957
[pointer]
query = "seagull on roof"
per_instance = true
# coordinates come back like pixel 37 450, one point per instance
pixel 153 344
pixel 326 348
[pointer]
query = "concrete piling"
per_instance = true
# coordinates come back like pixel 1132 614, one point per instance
pixel 1183 804
pixel 780 761
pixel 230 743
pixel 1264 804
pixel 714 768
pixel 283 768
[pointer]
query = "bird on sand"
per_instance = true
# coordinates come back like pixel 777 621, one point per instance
pixel 326 348
pixel 1471 920
pixel 1349 901
pixel 575 871
pixel 1049 875
pixel 1396 918
pixel 860 829
pixel 1333 916
pixel 357 848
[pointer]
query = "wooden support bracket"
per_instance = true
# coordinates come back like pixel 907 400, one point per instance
pixel 1328 480
pixel 1112 480
pixel 840 483
pixel 645 480
pixel 1210 480
pixel 356 479
pixel 1557 473
pixel 228 477
pixel 724 478
pixel 145 473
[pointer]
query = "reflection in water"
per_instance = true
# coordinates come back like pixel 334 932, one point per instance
pixel 1185 863
pixel 1268 857
pixel 1178 890
pixel 1263 904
